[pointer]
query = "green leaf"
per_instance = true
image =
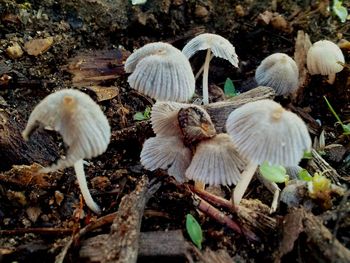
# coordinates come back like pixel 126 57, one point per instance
pixel 274 173
pixel 304 175
pixel 346 129
pixel 194 230
pixel 147 113
pixel 139 116
pixel 340 11
pixel 307 155
pixel 229 88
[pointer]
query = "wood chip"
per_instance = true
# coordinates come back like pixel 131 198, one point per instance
pixel 104 93
pixel 38 46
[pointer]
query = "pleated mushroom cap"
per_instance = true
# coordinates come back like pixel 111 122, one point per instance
pixel 264 131
pixel 322 58
pixel 278 71
pixel 162 72
pixel 216 162
pixel 168 153
pixel 80 121
pixel 220 47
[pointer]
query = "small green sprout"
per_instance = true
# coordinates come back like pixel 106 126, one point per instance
pixel 229 88
pixel 307 155
pixel 194 230
pixel 339 10
pixel 274 173
pixel 304 175
pixel 345 127
pixel 141 116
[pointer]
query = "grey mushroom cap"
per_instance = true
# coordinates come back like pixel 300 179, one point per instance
pixel 322 58
pixel 162 72
pixel 278 71
pixel 219 45
pixel 264 131
pixel 168 153
pixel 216 162
pixel 80 121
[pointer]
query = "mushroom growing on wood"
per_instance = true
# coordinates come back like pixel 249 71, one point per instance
pixel 83 127
pixel 216 44
pixel 323 58
pixel 278 71
pixel 265 131
pixel 161 71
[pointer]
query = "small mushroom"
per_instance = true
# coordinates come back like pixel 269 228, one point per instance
pixel 216 44
pixel 265 131
pixel 161 71
pixel 278 71
pixel 83 127
pixel 216 162
pixel 323 58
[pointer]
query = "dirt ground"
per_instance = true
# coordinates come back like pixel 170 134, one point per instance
pixel 84 44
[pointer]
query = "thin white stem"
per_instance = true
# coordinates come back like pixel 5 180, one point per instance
pixel 202 68
pixel 205 78
pixel 242 185
pixel 275 202
pixel 79 171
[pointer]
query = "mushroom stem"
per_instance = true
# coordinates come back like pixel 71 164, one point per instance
pixel 242 185
pixel 205 78
pixel 331 78
pixel 202 68
pixel 79 171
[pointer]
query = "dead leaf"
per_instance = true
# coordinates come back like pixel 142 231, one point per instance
pixel 38 46
pixel 104 93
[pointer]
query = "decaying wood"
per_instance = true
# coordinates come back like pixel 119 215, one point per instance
pixel 219 111
pixel 323 245
pixel 123 241
pixel 210 256
pixel 14 150
pixel 318 164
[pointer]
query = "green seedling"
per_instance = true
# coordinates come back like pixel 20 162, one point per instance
pixel 345 127
pixel 229 88
pixel 194 230
pixel 307 155
pixel 339 10
pixel 273 173
pixel 141 116
pixel 304 175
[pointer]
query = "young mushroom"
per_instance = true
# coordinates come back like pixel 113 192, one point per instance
pixel 215 44
pixel 161 71
pixel 280 72
pixel 83 127
pixel 265 131
pixel 323 58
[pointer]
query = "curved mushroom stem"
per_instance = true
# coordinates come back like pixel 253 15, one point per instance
pixel 79 171
pixel 331 78
pixel 202 68
pixel 205 78
pixel 242 185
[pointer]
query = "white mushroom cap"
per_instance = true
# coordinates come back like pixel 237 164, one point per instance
pixel 164 117
pixel 161 71
pixel 219 45
pixel 278 71
pixel 322 58
pixel 80 121
pixel 168 153
pixel 264 131
pixel 216 162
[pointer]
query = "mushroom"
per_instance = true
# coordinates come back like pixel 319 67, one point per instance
pixel 216 44
pixel 216 162
pixel 264 131
pixel 83 127
pixel 278 71
pixel 323 58
pixel 161 71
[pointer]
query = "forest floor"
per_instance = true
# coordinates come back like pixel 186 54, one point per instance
pixel 83 44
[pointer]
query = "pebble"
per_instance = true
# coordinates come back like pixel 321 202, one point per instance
pixel 38 46
pixel 15 51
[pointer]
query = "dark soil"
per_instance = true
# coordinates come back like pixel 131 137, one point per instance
pixel 87 27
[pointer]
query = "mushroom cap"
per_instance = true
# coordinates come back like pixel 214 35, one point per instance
pixel 80 121
pixel 168 153
pixel 161 71
pixel 264 131
pixel 322 58
pixel 164 118
pixel 278 71
pixel 216 162
pixel 219 45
